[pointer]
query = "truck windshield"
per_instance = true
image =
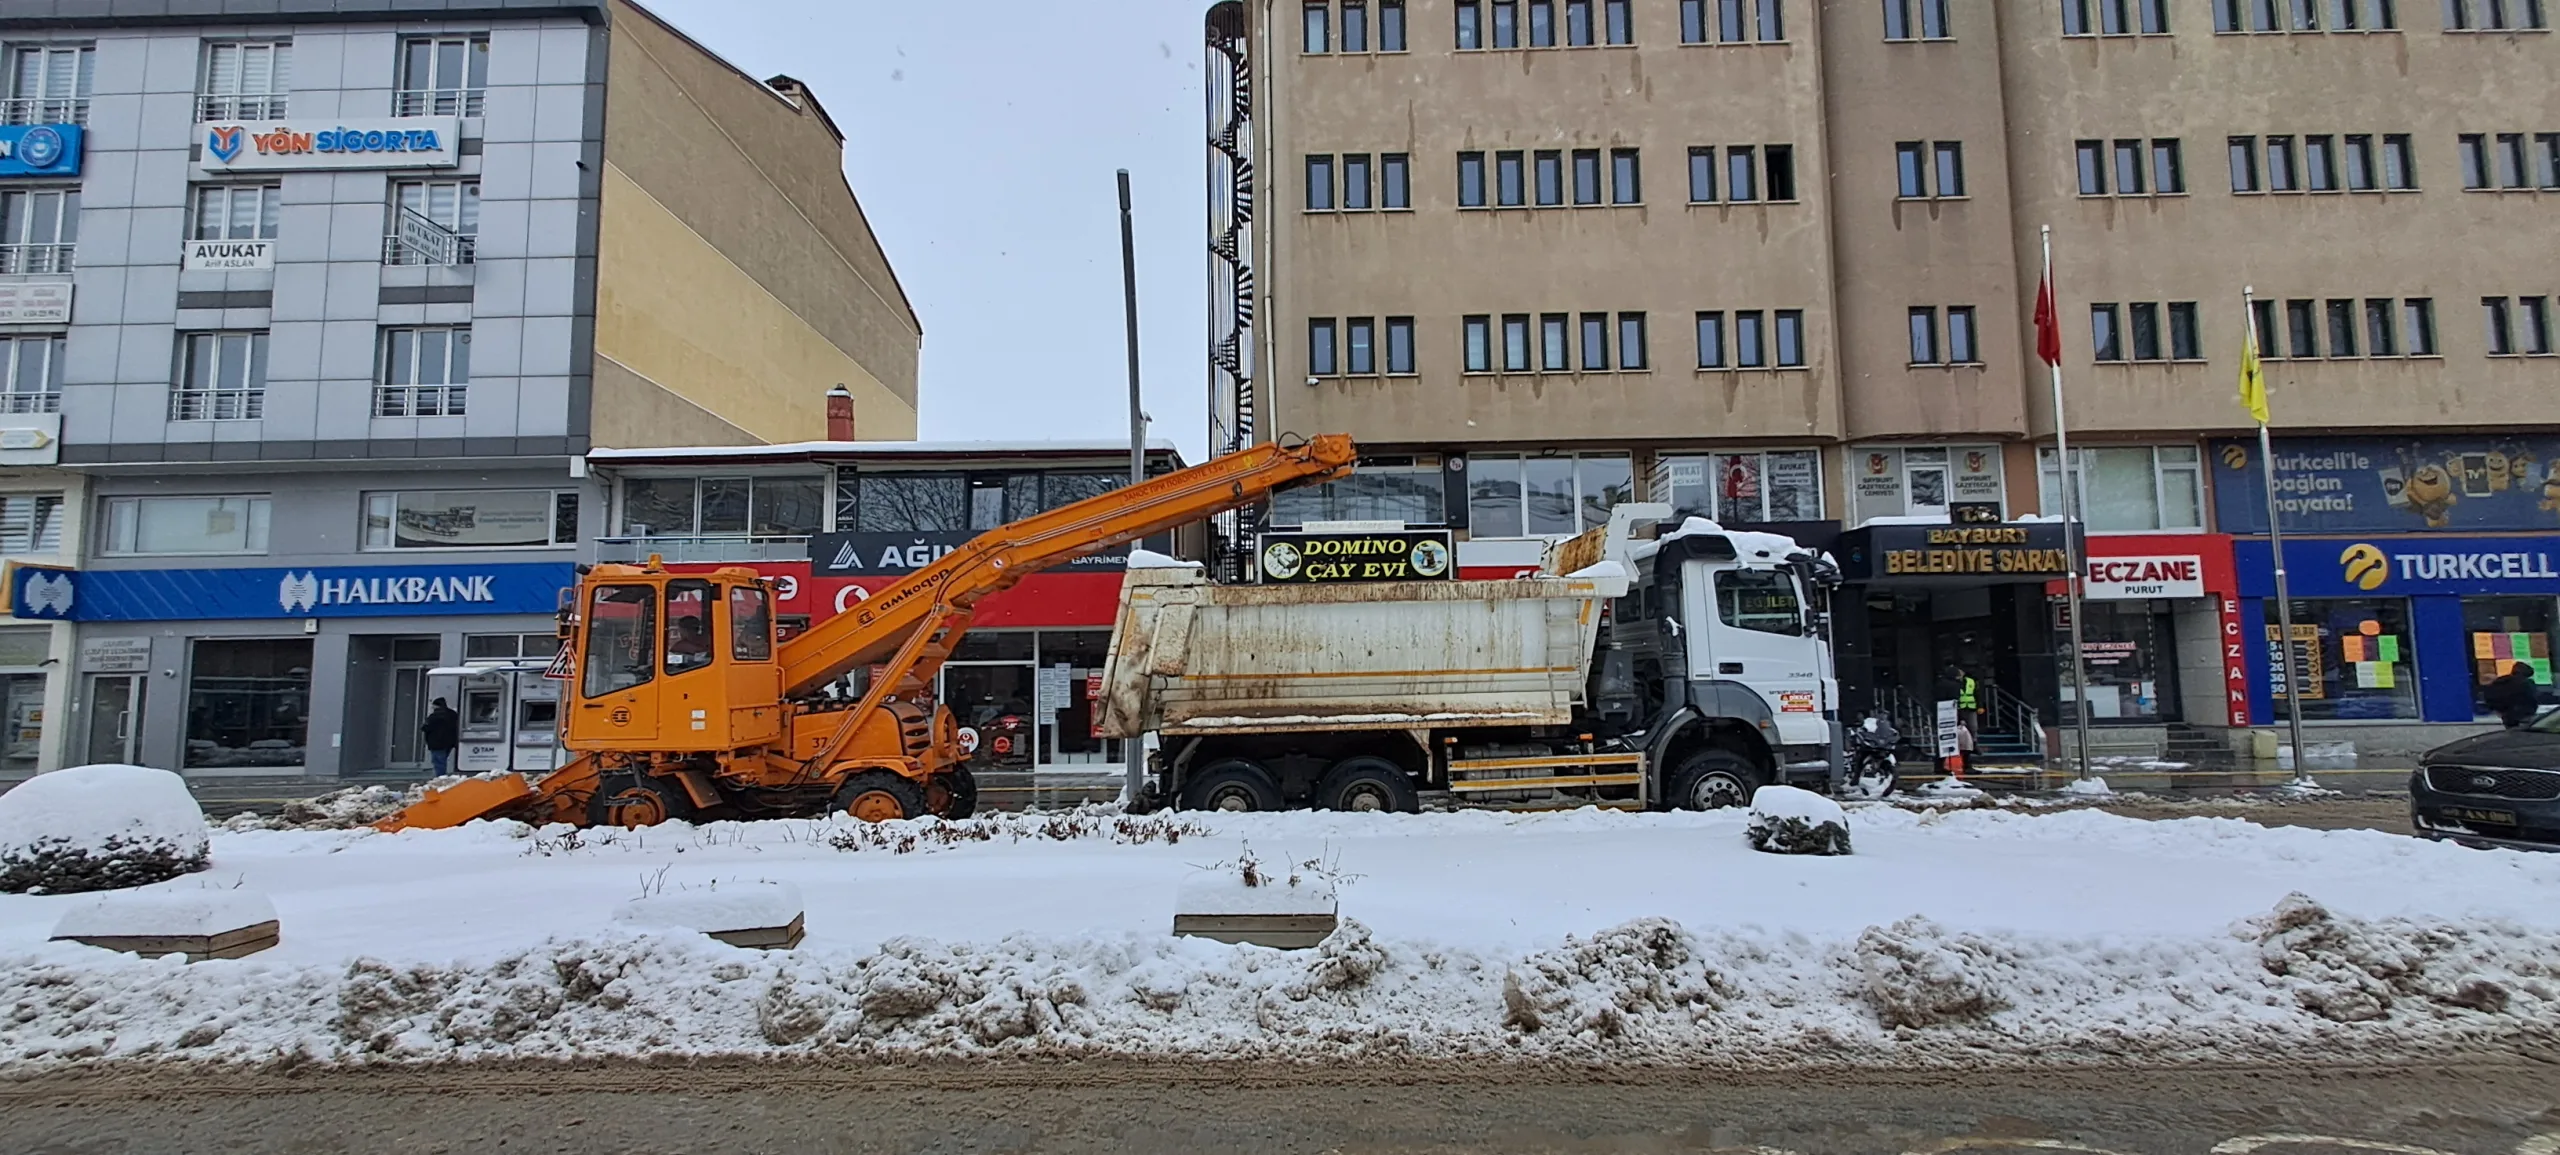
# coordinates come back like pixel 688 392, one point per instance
pixel 1763 600
pixel 622 633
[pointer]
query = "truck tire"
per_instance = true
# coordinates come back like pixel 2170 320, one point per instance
pixel 1231 784
pixel 880 796
pixel 1712 780
pixel 953 793
pixel 1368 784
pixel 630 799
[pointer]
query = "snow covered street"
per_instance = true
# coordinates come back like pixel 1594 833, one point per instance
pixel 1952 938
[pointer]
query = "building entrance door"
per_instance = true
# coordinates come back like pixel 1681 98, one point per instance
pixel 114 703
pixel 406 706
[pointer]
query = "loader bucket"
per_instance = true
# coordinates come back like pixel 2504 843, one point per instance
pixel 459 803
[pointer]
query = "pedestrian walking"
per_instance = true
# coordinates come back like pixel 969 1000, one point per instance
pixel 443 732
pixel 2512 696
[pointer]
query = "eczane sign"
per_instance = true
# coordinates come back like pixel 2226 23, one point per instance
pixel 2122 578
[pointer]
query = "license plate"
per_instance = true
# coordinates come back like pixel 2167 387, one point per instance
pixel 2467 814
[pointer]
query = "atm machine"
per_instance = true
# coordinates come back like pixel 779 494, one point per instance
pixel 510 715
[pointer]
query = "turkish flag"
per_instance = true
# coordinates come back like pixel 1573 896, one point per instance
pixel 2048 323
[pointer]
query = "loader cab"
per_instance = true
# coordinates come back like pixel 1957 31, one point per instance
pixel 676 663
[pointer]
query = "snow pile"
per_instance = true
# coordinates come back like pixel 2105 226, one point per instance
pixel 1150 559
pixel 98 828
pixel 172 913
pixel 1948 788
pixel 2089 787
pixel 337 810
pixel 1247 887
pixel 717 908
pixel 1788 820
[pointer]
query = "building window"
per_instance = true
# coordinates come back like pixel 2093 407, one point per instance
pixel 2156 166
pixel 1929 169
pixel 1470 180
pixel 1781 163
pixel 1408 489
pixel 442 76
pixel 2375 327
pixel 1750 339
pixel 1555 343
pixel 433 223
pixel 1319 183
pixel 2106 332
pixel 2320 162
pixel 1933 22
pixel 1732 21
pixel 2354 657
pixel 1595 342
pixel 2399 162
pixel 221 377
pixel 1479 344
pixel 1506 23
pixel 1922 480
pixel 152 526
pixel 1395 181
pixel 1744 169
pixel 1515 343
pixel 1626 177
pixel 1360 346
pixel 1542 23
pixel 425 373
pixel 1514 496
pixel 248 703
pixel 1391 26
pixel 1910 169
pixel 2494 16
pixel 1741 487
pixel 793 506
pixel 2381 334
pixel 245 80
pixel 1962 346
pixel 1924 336
pixel 31 372
pixel 2503 633
pixel 2168 167
pixel 2533 317
pixel 1399 346
pixel 1620 16
pixel 1631 343
pixel 2418 316
pixel 2342 327
pixel 1711 340
pixel 2186 342
pixel 1470 24
pixel 1355 181
pixel 2234 17
pixel 31 523
pixel 1323 358
pixel 49 84
pixel 509 647
pixel 1355 26
pixel 2282 174
pixel 1508 179
pixel 470 519
pixel 1772 25
pixel 2475 160
pixel 1586 176
pixel 1702 175
pixel 2497 312
pixel 39 230
pixel 1741 176
pixel 1790 325
pixel 2244 166
pixel 237 212
pixel 2302 329
pixel 1547 172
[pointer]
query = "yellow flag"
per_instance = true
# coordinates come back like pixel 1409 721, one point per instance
pixel 2253 380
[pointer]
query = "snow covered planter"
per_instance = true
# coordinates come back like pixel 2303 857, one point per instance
pixel 1246 902
pixel 200 924
pixel 759 915
pixel 1786 820
pixel 98 828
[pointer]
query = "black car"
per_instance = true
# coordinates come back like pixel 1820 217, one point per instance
pixel 2499 789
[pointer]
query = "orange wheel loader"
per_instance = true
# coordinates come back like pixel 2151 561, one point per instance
pixel 680 704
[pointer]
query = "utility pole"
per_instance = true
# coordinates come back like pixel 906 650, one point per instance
pixel 1129 293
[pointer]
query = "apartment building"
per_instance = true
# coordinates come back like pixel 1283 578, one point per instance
pixel 1776 261
pixel 314 313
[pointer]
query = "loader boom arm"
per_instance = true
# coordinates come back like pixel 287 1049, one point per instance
pixel 875 629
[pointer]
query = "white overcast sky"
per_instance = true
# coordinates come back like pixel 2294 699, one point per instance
pixel 981 139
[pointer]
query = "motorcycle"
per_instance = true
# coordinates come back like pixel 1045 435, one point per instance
pixel 1873 768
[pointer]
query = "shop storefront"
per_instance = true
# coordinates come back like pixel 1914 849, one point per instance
pixel 2161 627
pixel 2424 568
pixel 1919 598
pixel 255 672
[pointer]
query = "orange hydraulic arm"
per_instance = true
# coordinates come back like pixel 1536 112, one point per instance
pixel 885 625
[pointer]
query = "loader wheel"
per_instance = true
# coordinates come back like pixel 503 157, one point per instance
pixel 1712 780
pixel 952 793
pixel 880 796
pixel 629 800
pixel 1233 784
pixel 1368 784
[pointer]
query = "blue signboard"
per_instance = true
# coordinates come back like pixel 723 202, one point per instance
pixel 39 150
pixel 158 595
pixel 2328 567
pixel 2458 484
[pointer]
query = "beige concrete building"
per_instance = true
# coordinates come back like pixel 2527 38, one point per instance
pixel 1777 261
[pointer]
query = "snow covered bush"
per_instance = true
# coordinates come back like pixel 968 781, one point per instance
pixel 1786 820
pixel 98 828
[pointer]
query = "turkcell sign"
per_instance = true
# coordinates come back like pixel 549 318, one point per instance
pixel 279 145
pixel 293 592
pixel 40 150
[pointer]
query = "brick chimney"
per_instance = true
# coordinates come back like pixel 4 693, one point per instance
pixel 839 414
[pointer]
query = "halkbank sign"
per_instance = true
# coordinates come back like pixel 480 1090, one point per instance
pixel 151 595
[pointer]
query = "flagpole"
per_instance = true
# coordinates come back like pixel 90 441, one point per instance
pixel 2074 548
pixel 2275 549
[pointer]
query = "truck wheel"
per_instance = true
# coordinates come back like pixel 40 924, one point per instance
pixel 1713 780
pixel 880 796
pixel 1233 784
pixel 952 793
pixel 1368 784
pixel 630 799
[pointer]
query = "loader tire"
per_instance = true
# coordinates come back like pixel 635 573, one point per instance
pixel 1368 784
pixel 880 796
pixel 1232 784
pixel 629 800
pixel 1712 780
pixel 952 794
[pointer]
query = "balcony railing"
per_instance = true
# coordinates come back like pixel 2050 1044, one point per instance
pixel 14 403
pixel 16 259
pixel 217 404
pixel 436 102
pixel 266 106
pixel 45 110
pixel 420 400
pixel 706 547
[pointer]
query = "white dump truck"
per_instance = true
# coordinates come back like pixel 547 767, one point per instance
pixel 1643 666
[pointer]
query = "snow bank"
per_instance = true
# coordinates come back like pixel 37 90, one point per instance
pixel 98 828
pixel 1788 820
pixel 1150 559
pixel 717 908
pixel 2089 787
pixel 1223 890
pixel 149 913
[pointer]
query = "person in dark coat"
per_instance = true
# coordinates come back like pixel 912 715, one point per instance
pixel 443 732
pixel 2512 696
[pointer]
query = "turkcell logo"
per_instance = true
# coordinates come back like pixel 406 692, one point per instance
pixel 307 591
